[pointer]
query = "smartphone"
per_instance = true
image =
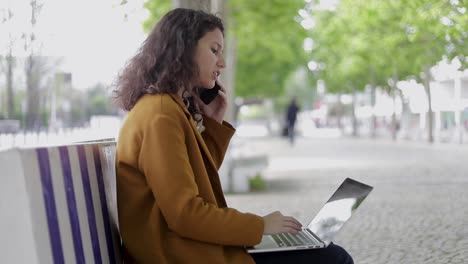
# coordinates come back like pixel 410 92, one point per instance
pixel 208 95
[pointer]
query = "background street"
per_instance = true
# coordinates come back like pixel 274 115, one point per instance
pixel 417 212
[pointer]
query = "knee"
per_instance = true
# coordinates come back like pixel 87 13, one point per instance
pixel 341 255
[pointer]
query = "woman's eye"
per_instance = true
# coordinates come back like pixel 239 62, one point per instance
pixel 214 51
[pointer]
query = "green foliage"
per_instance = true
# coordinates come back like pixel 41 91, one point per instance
pixel 157 9
pixel 257 183
pixel 269 44
pixel 44 117
pixel 79 107
pixel 371 41
pixel 99 101
pixel 299 85
pixel 84 104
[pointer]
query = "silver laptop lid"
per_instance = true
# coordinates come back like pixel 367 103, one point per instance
pixel 339 209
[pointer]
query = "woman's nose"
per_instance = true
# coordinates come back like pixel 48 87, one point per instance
pixel 221 62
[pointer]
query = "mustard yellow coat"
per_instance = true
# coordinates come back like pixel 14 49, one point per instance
pixel 170 202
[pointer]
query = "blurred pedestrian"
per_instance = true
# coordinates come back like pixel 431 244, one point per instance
pixel 291 117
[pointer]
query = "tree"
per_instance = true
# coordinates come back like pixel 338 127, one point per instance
pixel 428 35
pixel 98 101
pixel 156 8
pixel 269 44
pixel 340 52
pixel 34 70
pixel 6 17
pixel 78 107
pixel 299 87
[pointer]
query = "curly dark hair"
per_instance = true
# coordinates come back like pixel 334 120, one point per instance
pixel 165 61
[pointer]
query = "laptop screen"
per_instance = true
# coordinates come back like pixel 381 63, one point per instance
pixel 338 209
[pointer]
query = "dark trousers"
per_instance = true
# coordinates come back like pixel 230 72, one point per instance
pixel 291 133
pixel 329 255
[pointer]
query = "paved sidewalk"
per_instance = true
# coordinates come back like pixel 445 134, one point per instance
pixel 417 213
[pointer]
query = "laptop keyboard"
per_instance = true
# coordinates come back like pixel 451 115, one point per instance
pixel 288 240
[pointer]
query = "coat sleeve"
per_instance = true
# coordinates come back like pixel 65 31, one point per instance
pixel 217 137
pixel 165 162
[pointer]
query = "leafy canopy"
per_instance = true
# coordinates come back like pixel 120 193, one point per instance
pixel 371 41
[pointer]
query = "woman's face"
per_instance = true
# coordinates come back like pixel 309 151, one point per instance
pixel 209 58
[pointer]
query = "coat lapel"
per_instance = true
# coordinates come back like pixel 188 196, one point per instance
pixel 215 182
pixel 200 140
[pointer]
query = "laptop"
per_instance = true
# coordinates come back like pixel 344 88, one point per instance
pixel 325 225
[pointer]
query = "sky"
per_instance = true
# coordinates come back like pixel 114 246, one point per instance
pixel 93 37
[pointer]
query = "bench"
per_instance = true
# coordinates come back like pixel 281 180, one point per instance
pixel 58 204
pixel 239 165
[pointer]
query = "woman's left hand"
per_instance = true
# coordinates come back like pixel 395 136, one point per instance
pixel 217 108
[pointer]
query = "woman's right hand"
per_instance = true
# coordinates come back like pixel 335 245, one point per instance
pixel 276 223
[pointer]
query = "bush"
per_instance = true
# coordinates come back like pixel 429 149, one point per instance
pixel 257 183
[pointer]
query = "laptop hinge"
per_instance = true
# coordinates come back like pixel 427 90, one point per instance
pixel 315 236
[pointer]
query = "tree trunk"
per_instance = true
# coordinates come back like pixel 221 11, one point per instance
pixel 33 72
pixel 373 117
pixel 393 90
pixel 32 94
pixel 10 102
pixel 219 8
pixel 405 123
pixel 339 114
pixel 394 120
pixel 204 5
pixel 10 65
pixel 458 109
pixel 228 78
pixel 353 115
pixel 427 87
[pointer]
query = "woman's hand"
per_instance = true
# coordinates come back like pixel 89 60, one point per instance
pixel 276 223
pixel 217 108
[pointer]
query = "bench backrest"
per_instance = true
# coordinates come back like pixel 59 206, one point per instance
pixel 58 205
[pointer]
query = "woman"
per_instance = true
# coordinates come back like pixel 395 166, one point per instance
pixel 170 202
